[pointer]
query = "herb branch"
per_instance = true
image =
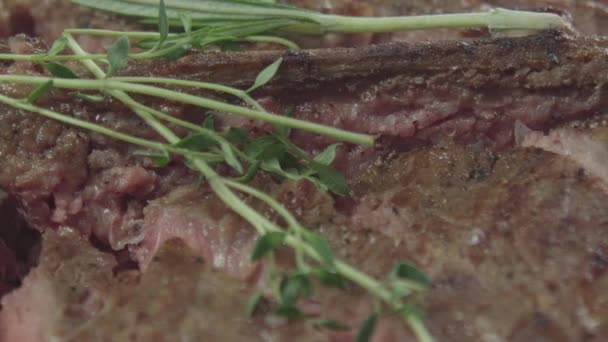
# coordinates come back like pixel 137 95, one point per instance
pixel 216 23
pixel 214 13
pixel 272 153
pixel 109 84
pixel 206 23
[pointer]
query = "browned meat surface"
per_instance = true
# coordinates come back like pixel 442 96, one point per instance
pixel 515 242
pixel 74 295
pixel 513 237
pixel 48 18
pixel 410 95
pixel 471 91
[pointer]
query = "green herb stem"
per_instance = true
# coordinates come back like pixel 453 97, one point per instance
pixel 20 104
pixel 419 329
pixel 41 58
pixel 308 22
pixel 497 19
pixel 363 280
pixel 195 84
pixel 109 85
pixel 338 134
pixel 112 33
pixel 272 39
pixel 300 239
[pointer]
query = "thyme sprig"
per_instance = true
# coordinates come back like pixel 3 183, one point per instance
pixel 109 84
pixel 217 13
pixel 310 247
pixel 205 146
pixel 217 23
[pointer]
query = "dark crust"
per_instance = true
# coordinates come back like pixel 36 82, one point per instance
pixel 472 91
pixel 499 59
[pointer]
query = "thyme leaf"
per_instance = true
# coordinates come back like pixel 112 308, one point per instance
pixel 160 158
pixel 39 91
pixel 204 147
pixel 330 323
pixel 294 286
pixel 253 303
pixel 118 54
pixel 332 179
pixel 58 46
pixel 266 243
pixel 266 75
pixel 328 155
pixel 407 271
pixel 322 248
pixel 163 22
pixel 59 70
pixel 367 328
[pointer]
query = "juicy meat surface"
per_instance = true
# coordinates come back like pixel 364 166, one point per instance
pixel 514 238
pixel 409 95
pixel 74 295
pixel 492 229
pixel 470 91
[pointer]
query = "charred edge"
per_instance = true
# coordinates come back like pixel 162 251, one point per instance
pixel 543 51
pixel 20 246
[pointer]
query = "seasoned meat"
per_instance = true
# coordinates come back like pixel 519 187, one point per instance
pixel 514 241
pixel 508 221
pixel 418 94
pixel 75 295
pixel 472 91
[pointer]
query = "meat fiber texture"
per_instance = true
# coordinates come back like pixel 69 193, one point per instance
pixel 513 236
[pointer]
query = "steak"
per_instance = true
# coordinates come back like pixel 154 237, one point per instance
pixel 416 95
pixel 508 221
pixel 75 295
pixel 514 241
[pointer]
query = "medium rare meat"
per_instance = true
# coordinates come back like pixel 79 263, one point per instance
pixel 410 95
pixel 74 296
pixel 470 91
pixel 514 241
pixel 512 237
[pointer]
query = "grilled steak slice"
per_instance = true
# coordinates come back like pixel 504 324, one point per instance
pixel 493 224
pixel 514 241
pixel 407 94
pixel 471 91
pixel 75 296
